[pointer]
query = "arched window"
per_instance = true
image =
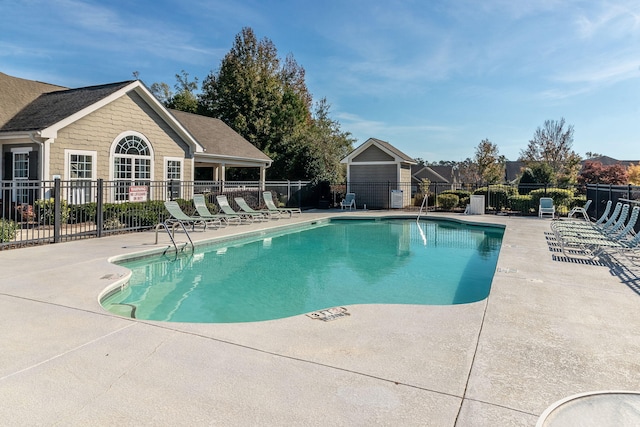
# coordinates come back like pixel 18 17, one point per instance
pixel 132 163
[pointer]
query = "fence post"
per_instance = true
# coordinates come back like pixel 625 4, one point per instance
pixel 99 207
pixel 57 217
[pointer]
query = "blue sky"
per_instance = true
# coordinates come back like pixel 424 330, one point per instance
pixel 433 77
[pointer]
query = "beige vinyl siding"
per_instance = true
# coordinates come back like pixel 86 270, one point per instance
pixel 373 154
pixel 98 130
pixel 361 179
pixel 405 173
pixel 373 173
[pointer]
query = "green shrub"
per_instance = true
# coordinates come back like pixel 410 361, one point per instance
pixel 522 204
pixel 45 210
pixel 562 198
pixel 459 193
pixel 497 196
pixel 136 214
pixel 82 213
pixel 8 230
pixel 464 201
pixel 577 201
pixel 447 201
pixel 463 196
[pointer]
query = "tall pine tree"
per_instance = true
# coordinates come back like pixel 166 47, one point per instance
pixel 266 100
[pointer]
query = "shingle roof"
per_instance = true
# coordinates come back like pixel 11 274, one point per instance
pixel 394 150
pixel 609 161
pixel 432 175
pixel 52 107
pixel 16 93
pixel 513 170
pixel 217 138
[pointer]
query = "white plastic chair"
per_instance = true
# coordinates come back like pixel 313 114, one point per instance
pixel 349 201
pixel 546 207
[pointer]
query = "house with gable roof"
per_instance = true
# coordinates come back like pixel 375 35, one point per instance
pixel 378 162
pixel 440 177
pixel 117 132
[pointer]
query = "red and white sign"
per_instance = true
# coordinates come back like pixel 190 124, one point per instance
pixel 138 193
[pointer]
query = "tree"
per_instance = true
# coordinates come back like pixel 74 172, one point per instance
pixel 592 155
pixel 490 164
pixel 326 145
pixel 266 100
pixel 183 99
pixel 162 91
pixel 468 171
pixel 633 172
pixel 246 90
pixel 594 172
pixel 552 144
pixel 420 161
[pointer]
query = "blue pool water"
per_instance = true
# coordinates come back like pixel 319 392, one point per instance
pixel 336 263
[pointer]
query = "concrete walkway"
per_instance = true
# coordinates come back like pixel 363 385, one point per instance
pixel 549 329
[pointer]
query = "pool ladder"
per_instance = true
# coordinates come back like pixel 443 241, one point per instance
pixel 423 206
pixel 172 224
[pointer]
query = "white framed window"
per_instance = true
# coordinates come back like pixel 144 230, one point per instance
pixel 173 167
pixel 132 163
pixel 20 177
pixel 80 170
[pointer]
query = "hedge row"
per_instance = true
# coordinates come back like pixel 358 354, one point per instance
pixel 504 197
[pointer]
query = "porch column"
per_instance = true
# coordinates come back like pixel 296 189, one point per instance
pixel 263 177
pixel 222 169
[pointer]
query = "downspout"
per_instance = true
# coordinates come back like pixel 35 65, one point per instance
pixel 41 164
pixel 40 155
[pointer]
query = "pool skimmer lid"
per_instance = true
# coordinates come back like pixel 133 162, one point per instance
pixel 329 314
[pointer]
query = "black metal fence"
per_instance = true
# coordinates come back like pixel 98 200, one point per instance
pixel 510 199
pixel 37 212
pixel 600 194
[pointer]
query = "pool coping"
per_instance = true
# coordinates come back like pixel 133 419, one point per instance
pixel 119 285
pixel 549 329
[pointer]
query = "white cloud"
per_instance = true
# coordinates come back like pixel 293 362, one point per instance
pixel 611 20
pixel 87 25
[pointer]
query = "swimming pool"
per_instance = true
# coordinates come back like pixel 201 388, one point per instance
pixel 320 265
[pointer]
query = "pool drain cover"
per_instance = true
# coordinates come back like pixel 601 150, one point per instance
pixel 329 314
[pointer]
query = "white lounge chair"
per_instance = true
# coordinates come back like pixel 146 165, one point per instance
pixel 582 210
pixel 546 207
pixel 617 235
pixel 203 211
pixel 228 210
pixel 349 201
pixel 271 206
pixel 244 206
pixel 177 216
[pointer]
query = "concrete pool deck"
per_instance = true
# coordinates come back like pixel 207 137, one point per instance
pixel 549 329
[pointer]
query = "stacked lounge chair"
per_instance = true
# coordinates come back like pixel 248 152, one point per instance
pixel 203 211
pixel 223 202
pixel 271 206
pixel 593 240
pixel 179 217
pixel 582 210
pixel 264 213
